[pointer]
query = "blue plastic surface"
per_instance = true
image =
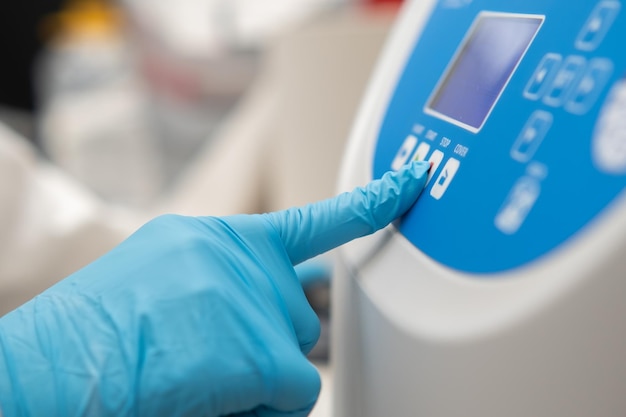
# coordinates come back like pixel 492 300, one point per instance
pixel 520 185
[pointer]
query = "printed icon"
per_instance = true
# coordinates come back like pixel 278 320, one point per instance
pixel 597 25
pixel 590 86
pixel 517 205
pixel 531 136
pixel 421 152
pixel 435 159
pixel 445 178
pixel 404 153
pixel 544 74
pixel 565 79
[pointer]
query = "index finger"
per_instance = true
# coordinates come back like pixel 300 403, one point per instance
pixel 316 228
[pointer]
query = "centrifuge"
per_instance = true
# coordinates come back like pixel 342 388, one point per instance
pixel 502 292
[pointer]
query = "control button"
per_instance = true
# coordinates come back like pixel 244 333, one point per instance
pixel 517 205
pixel 404 153
pixel 591 84
pixel 531 136
pixel 445 178
pixel 543 75
pixel 567 77
pixel 421 152
pixel 435 160
pixel 609 142
pixel 597 25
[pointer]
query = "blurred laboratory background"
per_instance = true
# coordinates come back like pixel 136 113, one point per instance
pixel 112 112
pixel 125 95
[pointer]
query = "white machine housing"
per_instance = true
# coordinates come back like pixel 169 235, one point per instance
pixel 414 337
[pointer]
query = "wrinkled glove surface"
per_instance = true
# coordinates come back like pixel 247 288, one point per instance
pixel 190 316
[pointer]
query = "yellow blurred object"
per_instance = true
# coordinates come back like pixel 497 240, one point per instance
pixel 80 18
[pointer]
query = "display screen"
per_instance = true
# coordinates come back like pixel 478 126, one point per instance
pixel 483 64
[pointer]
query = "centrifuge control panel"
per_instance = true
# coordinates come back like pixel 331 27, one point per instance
pixel 521 108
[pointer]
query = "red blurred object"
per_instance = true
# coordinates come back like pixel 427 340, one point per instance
pixel 373 2
pixel 381 6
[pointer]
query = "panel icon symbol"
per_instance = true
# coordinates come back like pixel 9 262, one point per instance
pixel 598 24
pixel 517 205
pixel 590 86
pixel 531 136
pixel 543 75
pixel 565 80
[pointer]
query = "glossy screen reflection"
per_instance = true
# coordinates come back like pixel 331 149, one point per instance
pixel 481 68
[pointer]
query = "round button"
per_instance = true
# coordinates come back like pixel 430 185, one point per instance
pixel 609 143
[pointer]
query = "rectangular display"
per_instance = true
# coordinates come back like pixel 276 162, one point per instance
pixel 482 66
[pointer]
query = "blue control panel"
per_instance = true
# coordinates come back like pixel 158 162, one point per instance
pixel 521 108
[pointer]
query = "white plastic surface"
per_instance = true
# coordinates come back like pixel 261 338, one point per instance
pixel 413 337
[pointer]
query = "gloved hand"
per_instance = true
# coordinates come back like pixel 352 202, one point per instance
pixel 189 316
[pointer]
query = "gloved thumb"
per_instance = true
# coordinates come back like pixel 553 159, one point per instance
pixel 316 228
pixel 314 271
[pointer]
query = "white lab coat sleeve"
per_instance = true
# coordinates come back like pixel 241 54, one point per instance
pixel 49 224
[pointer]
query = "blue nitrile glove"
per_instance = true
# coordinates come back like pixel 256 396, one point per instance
pixel 314 271
pixel 189 316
